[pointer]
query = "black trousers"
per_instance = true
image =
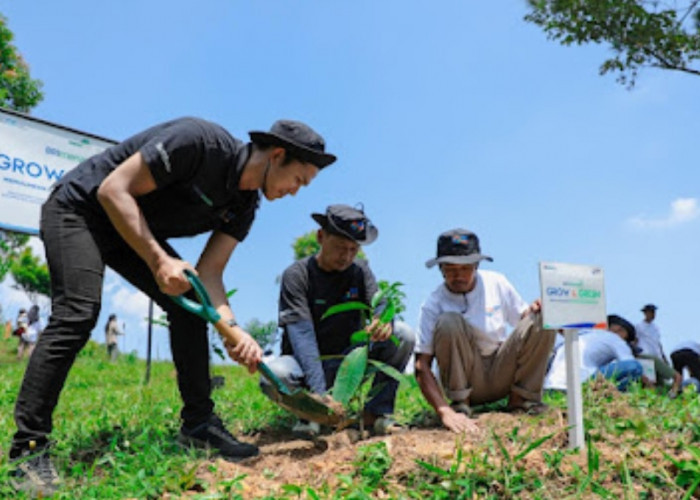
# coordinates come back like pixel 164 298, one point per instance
pixel 686 358
pixel 77 252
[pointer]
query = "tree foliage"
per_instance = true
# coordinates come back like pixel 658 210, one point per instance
pixel 305 245
pixel 31 275
pixel 11 245
pixel 640 33
pixel 18 90
pixel 264 333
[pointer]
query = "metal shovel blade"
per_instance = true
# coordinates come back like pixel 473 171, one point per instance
pixel 301 403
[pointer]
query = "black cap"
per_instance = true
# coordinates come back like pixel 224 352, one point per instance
pixel 297 138
pixel 649 307
pixel 349 222
pixel 614 319
pixel 458 246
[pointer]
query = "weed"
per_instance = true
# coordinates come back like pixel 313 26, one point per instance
pixel 373 462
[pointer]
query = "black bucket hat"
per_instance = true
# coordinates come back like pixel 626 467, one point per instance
pixel 614 319
pixel 458 246
pixel 348 222
pixel 297 138
pixel 649 307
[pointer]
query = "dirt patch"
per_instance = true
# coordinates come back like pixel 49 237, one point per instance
pixel 284 460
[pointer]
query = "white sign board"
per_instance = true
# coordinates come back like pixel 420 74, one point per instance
pixel 573 296
pixel 34 154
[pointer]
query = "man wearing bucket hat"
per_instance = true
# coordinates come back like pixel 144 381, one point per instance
pixel 463 324
pixel 309 288
pixel 118 208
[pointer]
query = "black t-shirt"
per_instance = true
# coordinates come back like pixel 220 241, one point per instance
pixel 196 166
pixel 308 291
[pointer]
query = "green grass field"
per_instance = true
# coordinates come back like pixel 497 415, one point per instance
pixel 115 438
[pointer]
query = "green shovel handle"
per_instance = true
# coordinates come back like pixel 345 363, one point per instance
pixel 204 309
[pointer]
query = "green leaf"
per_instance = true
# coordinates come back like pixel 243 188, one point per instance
pixel 532 446
pixel 345 306
pixel 230 293
pixel 379 294
pixel 387 370
pixel 350 375
pixel 359 337
pixel 432 468
pixel 388 313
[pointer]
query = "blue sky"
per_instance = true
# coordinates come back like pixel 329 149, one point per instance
pixel 457 114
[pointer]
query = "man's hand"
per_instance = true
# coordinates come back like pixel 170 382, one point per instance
pixel 169 273
pixel 534 308
pixel 247 352
pixel 457 422
pixel 379 332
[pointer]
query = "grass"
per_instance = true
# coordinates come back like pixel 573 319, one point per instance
pixel 115 438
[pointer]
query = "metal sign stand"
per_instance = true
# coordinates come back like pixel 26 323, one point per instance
pixel 150 341
pixel 573 393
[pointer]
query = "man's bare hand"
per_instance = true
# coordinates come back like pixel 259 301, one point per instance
pixel 458 422
pixel 379 332
pixel 169 273
pixel 534 308
pixel 247 352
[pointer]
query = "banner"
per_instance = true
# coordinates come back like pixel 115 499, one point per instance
pixel 34 154
pixel 573 296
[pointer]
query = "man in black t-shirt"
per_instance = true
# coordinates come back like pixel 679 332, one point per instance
pixel 312 285
pixel 117 209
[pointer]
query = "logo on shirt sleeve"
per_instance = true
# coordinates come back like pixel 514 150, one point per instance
pixel 164 157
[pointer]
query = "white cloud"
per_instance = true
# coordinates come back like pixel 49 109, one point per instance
pixel 682 210
pixel 125 300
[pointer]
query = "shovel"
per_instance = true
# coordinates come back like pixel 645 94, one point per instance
pixel 322 410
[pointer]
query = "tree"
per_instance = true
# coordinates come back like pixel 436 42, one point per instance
pixel 11 245
pixel 264 334
pixel 305 245
pixel 31 275
pixel 18 91
pixel 640 33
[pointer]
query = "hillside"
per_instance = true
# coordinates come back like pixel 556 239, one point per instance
pixel 115 438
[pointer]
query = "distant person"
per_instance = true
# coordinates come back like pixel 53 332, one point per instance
pixel 605 353
pixel 686 355
pixel 29 337
pixel 648 335
pixel 463 325
pixel 112 332
pixel 21 324
pixel 118 208
pixel 309 288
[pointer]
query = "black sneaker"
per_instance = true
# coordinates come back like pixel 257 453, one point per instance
pixel 34 472
pixel 213 435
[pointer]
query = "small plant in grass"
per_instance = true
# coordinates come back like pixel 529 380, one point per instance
pixel 688 472
pixel 357 370
pixel 373 462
